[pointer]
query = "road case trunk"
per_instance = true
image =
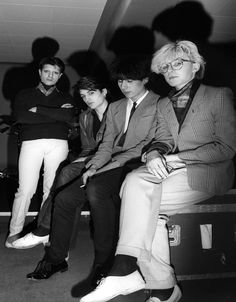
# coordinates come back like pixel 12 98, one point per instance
pixel 203 239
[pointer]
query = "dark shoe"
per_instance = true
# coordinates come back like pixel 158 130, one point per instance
pixel 90 283
pixel 45 270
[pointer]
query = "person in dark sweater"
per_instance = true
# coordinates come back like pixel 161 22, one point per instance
pixel 44 114
pixel 95 94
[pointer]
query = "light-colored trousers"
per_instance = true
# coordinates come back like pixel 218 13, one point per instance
pixel 142 234
pixel 33 153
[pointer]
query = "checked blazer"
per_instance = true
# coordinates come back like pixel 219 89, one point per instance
pixel 206 141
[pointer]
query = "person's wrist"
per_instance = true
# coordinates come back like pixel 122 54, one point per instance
pixel 153 154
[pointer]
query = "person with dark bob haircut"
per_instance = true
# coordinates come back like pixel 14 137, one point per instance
pixel 43 113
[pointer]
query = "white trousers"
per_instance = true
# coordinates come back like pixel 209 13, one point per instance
pixel 142 234
pixel 33 153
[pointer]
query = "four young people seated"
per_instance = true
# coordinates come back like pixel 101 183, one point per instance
pixel 168 154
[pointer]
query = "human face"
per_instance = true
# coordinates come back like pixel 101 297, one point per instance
pixel 132 89
pixel 93 98
pixel 50 74
pixel 180 71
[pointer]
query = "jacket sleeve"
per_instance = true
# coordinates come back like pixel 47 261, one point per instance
pixel 223 144
pixel 85 123
pixel 104 153
pixel 163 140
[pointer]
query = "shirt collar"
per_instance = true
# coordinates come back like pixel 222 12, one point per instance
pixel 44 90
pixel 139 100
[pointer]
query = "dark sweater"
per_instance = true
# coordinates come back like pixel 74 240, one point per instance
pixel 50 120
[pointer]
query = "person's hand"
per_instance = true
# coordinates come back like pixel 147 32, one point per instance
pixel 33 109
pixel 90 172
pixel 157 166
pixel 67 105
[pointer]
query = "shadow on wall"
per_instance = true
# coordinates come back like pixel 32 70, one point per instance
pixel 18 78
pixel 192 22
pixel 188 20
pixel 137 40
pixel 87 63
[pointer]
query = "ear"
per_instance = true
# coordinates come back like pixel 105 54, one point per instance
pixel 145 81
pixel 104 91
pixel 196 67
pixel 40 72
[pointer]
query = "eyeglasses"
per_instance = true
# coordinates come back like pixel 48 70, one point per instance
pixel 177 64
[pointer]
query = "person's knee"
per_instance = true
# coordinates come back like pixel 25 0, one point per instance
pixel 62 201
pixel 133 178
pixel 94 193
pixel 64 173
pixel 25 193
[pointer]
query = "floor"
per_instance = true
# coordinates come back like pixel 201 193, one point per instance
pixel 15 264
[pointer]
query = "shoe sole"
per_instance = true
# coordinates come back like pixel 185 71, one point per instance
pixel 130 291
pixel 28 246
pixel 61 271
pixel 127 292
pixel 177 297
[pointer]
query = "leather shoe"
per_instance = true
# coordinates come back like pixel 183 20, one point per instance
pixel 113 286
pixel 176 295
pixel 30 240
pixel 45 270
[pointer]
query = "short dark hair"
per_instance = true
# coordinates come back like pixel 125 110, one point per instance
pixel 134 67
pixel 93 83
pixel 52 61
pixel 90 83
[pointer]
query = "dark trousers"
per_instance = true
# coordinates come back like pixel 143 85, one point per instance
pixel 69 198
pixel 103 194
pixel 65 176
